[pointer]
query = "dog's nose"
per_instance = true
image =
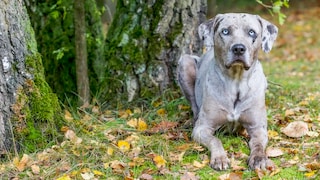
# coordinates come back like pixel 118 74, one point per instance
pixel 238 49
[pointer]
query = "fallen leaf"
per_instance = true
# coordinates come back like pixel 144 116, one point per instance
pixel 289 112
pixel 116 165
pixel 295 129
pixel 110 151
pixel 161 112
pixel 139 124
pixel 159 161
pixel 189 176
pixel 35 169
pixel 198 164
pixel 274 152
pixel 310 174
pixel 145 177
pixel 87 175
pixel 64 177
pixel 97 173
pixel 96 109
pixel 312 134
pixel 163 126
pixel 71 135
pixel 21 165
pixel 68 116
pixel 260 173
pixel 124 146
pixel 176 157
pixel 273 134
pixel 231 176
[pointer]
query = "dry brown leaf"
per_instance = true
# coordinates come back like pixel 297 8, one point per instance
pixel 145 177
pixel 189 176
pixel 289 112
pixel 68 116
pixel 71 135
pixel 87 175
pixel 295 129
pixel 21 165
pixel 312 134
pixel 231 176
pixel 35 169
pixel 163 126
pixel 176 156
pixel 274 152
pixel 198 164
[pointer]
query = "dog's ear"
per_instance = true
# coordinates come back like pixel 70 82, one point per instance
pixel 206 31
pixel 269 34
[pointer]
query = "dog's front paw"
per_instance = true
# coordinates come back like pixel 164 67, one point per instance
pixel 219 162
pixel 258 161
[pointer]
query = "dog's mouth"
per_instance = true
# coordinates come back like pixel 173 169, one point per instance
pixel 238 62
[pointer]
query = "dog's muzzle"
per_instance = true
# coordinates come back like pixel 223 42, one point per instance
pixel 238 57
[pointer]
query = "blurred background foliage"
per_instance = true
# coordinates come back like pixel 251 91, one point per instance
pixel 53 23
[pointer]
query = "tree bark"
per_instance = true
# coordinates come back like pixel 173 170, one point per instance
pixel 29 112
pixel 81 52
pixel 144 43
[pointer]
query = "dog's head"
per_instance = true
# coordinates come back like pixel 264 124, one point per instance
pixel 237 38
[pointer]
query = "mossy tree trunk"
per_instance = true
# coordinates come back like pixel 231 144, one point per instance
pixel 29 112
pixel 144 43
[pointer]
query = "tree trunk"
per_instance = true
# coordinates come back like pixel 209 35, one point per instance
pixel 144 43
pixel 81 52
pixel 29 112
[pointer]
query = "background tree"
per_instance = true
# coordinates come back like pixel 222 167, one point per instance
pixel 53 22
pixel 144 43
pixel 81 52
pixel 30 114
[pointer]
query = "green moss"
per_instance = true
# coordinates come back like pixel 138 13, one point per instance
pixel 37 113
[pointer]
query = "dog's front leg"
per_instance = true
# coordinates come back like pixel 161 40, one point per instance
pixel 258 142
pixel 202 133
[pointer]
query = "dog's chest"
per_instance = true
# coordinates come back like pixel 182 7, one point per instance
pixel 234 98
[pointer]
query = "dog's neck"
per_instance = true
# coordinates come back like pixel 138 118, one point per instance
pixel 237 72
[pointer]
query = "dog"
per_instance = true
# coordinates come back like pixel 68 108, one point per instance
pixel 226 86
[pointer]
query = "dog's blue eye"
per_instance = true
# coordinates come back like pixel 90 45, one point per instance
pixel 225 31
pixel 252 33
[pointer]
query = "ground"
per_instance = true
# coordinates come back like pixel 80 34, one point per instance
pixel 153 141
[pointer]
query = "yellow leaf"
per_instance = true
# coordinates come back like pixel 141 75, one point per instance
pixel 156 103
pixel 68 116
pixel 159 161
pixel 272 134
pixel 161 112
pixel 183 107
pixel 110 151
pixel 98 173
pixel 123 146
pixel 304 103
pixel 64 177
pixel 139 124
pixel 310 174
pixel 289 112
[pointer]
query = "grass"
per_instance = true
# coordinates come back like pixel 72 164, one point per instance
pixel 293 86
